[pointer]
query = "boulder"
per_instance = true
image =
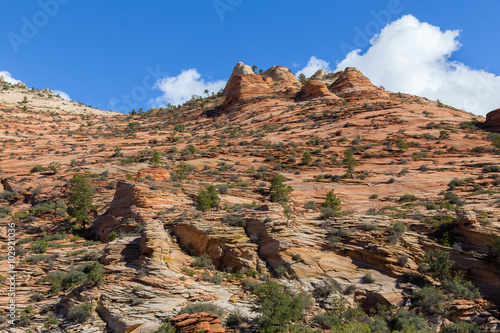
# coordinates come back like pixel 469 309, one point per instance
pixel 11 186
pixel 198 322
pixel 373 299
pixel 466 217
pixel 2 78
pixel 314 89
pixel 493 118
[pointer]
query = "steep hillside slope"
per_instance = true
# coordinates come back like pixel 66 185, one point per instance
pixel 422 177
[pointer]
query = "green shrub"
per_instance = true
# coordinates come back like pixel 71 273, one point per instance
pixel 51 320
pixel 327 288
pixel 368 278
pixel 404 319
pixel 461 327
pixel 5 211
pixel 234 220
pixel 89 274
pixel 91 242
pixel 310 205
pixel 37 168
pixel 54 237
pixel 35 259
pixel 203 261
pixel 328 213
pixel 79 313
pixel 429 300
pixel 39 247
pixel 165 328
pixel 491 168
pixel 180 128
pixel 407 198
pixel 94 272
pixel 250 284
pixel 378 324
pixel 277 308
pixel 401 144
pixel 202 307
pixel 280 271
pixel 235 318
pixel 112 236
pixel 460 287
pixel 36 297
pixel 438 263
pixel 25 240
pixel 415 278
pixel 216 278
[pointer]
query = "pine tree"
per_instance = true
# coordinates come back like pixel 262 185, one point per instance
pixel 279 191
pixel 80 200
pixel 203 203
pixel 155 159
pixel 332 202
pixel 208 198
pixel 350 162
pixel 213 194
pixel 306 158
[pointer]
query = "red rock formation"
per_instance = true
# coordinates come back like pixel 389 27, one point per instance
pixel 244 84
pixel 313 89
pixel 132 204
pixel 352 85
pixel 155 173
pixel 241 87
pixel 198 322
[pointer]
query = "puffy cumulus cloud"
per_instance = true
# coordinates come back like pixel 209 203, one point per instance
pixel 179 89
pixel 62 94
pixel 8 77
pixel 313 65
pixel 414 57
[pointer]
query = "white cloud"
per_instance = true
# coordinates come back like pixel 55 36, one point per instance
pixel 179 89
pixel 62 94
pixel 414 57
pixel 8 78
pixel 313 65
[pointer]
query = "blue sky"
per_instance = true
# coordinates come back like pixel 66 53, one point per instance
pixel 109 54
